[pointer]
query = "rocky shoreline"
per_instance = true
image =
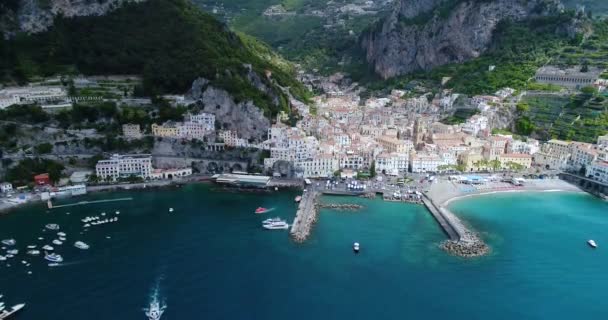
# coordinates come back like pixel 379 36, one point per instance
pixel 341 206
pixel 469 246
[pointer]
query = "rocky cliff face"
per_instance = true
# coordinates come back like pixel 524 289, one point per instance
pixel 243 117
pixel 37 15
pixel 422 34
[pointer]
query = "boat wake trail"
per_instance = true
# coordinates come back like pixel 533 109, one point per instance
pixel 157 304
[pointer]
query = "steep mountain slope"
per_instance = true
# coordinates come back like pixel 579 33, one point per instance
pixel 423 34
pixel 170 42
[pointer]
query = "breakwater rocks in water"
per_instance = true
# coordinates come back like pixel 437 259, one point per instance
pixel 306 216
pixel 469 247
pixel 341 206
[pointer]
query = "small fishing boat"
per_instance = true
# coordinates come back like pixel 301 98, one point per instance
pixel 356 247
pixel 33 252
pixel 52 226
pixel 260 210
pixel 48 248
pixel 298 198
pixel 32 246
pixel 9 242
pixel 170 209
pixel 61 234
pixel 57 242
pixel 592 244
pixel 13 252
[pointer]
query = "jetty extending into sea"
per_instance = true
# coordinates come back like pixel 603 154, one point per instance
pixel 306 216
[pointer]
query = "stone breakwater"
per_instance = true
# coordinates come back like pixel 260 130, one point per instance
pixel 341 206
pixel 462 242
pixel 306 216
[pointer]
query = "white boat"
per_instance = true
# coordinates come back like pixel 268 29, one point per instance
pixel 86 225
pixel 275 225
pixel 592 244
pixel 170 209
pixel 57 242
pixel 356 247
pixel 33 252
pixel 2 258
pixel 52 226
pixel 53 257
pixel 32 246
pixel 62 238
pixel 9 242
pixel 117 212
pixel 4 314
pixel 155 310
pixel 271 220
pixel 47 248
pixel 13 252
pixel 61 234
pixel 81 245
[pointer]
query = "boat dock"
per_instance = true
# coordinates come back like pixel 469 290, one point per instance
pixel 81 203
pixel 306 216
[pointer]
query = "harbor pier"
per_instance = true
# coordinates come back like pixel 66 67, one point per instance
pixel 306 216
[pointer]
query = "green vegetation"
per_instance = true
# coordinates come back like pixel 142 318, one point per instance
pixel 460 116
pixel 23 173
pixel 170 42
pixel 580 117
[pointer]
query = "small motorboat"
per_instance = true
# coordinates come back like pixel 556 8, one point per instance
pixel 53 257
pixel 57 242
pixel 271 220
pixel 276 225
pixel 592 244
pixel 9 242
pixel 81 245
pixel 52 226
pixel 260 210
pixel 61 234
pixel 32 246
pixel 47 248
pixel 170 209
pixel 298 198
pixel 13 252
pixel 33 252
pixel 356 247
pixel 2 258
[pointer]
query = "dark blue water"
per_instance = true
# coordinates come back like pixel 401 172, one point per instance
pixel 211 259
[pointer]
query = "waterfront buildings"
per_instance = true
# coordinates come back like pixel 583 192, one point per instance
pixel 555 154
pixel 170 173
pixel 520 159
pixel 598 170
pixel 42 179
pixel 425 162
pixel 123 166
pixel 321 166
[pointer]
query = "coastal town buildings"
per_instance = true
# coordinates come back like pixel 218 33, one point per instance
pixel 518 159
pixel 421 163
pixel 598 170
pixel 6 187
pixel 131 131
pixel 194 127
pixel 123 166
pixel 157 174
pixel 31 94
pixel 554 154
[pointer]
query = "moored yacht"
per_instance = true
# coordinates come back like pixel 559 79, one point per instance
pixel 52 226
pixel 57 242
pixel 275 225
pixel 81 245
pixel 9 242
pixel 4 314
pixel 33 252
pixel 47 248
pixel 53 257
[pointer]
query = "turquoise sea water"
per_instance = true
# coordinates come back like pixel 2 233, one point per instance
pixel 211 260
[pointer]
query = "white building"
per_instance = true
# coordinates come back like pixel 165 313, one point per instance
pixel 34 94
pixel 193 130
pixel 321 166
pixel 203 118
pixel 598 170
pixel 392 163
pixel 582 154
pixel 475 124
pixel 531 146
pixel 555 154
pixel 425 162
pixel 602 141
pixel 131 131
pixel 123 166
pixel 6 187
